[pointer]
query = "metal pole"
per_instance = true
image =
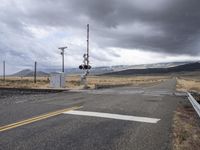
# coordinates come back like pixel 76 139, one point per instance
pixel 63 62
pixel 87 59
pixel 4 71
pixel 88 43
pixel 63 57
pixel 35 72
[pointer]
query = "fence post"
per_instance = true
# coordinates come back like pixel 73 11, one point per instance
pixel 35 72
pixel 4 71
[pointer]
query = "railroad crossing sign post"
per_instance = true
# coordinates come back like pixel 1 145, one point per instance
pixel 85 66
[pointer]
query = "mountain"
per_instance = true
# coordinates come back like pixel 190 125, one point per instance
pixel 157 65
pixel 109 69
pixel 93 71
pixel 29 73
pixel 22 73
pixel 181 68
pixel 120 69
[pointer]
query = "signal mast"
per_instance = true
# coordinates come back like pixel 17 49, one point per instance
pixel 85 66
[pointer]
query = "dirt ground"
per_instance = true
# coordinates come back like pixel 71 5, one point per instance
pixel 73 82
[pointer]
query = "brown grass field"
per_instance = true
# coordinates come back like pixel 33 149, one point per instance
pixel 73 82
pixel 186 130
pixel 188 83
pixel 184 83
pixel 24 82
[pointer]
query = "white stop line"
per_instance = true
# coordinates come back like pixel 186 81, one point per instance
pixel 113 116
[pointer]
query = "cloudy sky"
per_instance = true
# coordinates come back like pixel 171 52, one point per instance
pixel 122 32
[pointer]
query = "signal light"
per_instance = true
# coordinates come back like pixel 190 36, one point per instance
pixel 84 67
pixel 81 67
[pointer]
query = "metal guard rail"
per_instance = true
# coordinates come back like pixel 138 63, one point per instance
pixel 194 103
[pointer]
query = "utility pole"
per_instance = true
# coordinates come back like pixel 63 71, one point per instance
pixel 4 71
pixel 63 61
pixel 35 71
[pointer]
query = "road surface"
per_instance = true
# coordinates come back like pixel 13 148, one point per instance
pixel 125 118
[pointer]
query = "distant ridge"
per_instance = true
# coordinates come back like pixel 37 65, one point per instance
pixel 181 68
pixel 171 67
pixel 109 69
pixel 29 73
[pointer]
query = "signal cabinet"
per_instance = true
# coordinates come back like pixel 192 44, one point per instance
pixel 57 80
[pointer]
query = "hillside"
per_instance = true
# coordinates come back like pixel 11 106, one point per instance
pixel 181 68
pixel 109 69
pixel 29 73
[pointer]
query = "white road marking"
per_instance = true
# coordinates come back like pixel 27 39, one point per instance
pixel 113 116
pixel 21 101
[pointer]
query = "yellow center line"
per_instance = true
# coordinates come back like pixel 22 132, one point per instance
pixel 38 118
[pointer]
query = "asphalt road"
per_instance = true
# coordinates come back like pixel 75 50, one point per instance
pixel 115 126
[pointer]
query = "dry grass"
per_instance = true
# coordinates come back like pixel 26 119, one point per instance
pixel 73 82
pixel 186 129
pixel 94 81
pixel 25 82
pixel 188 84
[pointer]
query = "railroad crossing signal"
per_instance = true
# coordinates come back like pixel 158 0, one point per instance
pixel 85 67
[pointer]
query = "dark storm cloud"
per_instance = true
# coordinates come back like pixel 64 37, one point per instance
pixel 164 26
pixel 177 20
pixel 179 23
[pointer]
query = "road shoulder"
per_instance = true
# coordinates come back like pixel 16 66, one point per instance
pixel 186 128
